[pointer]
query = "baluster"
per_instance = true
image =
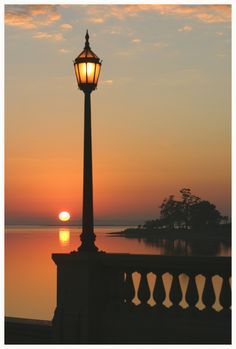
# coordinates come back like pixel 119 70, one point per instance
pixel 225 294
pixel 143 291
pixel 159 292
pixel 115 292
pixel 175 291
pixel 129 288
pixel 208 295
pixel 192 295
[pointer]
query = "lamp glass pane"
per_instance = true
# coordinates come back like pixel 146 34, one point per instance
pixel 98 67
pixel 82 71
pixel 77 73
pixel 90 72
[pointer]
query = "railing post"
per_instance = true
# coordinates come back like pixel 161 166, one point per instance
pixel 225 294
pixel 175 291
pixel 129 290
pixel 143 290
pixel 192 295
pixel 208 295
pixel 159 293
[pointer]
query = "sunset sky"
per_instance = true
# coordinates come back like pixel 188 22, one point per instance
pixel 160 116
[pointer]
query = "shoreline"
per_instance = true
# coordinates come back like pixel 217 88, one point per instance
pixel 220 234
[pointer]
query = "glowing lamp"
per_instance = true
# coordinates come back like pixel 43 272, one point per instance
pixel 87 68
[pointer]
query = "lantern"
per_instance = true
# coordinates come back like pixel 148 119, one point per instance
pixel 87 68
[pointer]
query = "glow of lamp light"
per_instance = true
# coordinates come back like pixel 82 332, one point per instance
pixel 90 69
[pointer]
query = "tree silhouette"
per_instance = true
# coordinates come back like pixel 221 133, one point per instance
pixel 204 215
pixel 225 219
pixel 188 213
pixel 188 201
pixel 153 224
pixel 171 212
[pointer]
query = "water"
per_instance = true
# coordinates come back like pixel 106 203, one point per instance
pixel 30 273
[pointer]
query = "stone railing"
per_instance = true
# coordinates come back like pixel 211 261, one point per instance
pixel 135 299
pixel 202 283
pixel 27 331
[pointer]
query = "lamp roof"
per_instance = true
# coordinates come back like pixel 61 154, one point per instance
pixel 87 52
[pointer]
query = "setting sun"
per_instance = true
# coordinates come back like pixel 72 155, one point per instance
pixel 64 216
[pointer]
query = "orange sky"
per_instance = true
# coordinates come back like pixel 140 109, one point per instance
pixel 160 116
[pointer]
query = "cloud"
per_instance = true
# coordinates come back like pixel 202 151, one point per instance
pixel 160 45
pixel 123 53
pixel 97 20
pixel 34 16
pixel 107 82
pixel 186 28
pixel 203 13
pixel 136 41
pixel 31 16
pixel 66 26
pixel 47 36
pixel 64 50
pixel 221 55
pixel 115 32
pixel 216 17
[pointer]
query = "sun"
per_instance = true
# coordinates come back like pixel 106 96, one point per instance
pixel 64 216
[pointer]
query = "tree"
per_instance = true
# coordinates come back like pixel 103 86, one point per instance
pixel 188 200
pixel 204 214
pixel 189 212
pixel 171 212
pixel 153 224
pixel 225 219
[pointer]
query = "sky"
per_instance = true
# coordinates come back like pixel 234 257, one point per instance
pixel 160 116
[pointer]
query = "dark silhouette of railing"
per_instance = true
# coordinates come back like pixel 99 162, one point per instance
pixel 27 331
pixel 192 267
pixel 125 299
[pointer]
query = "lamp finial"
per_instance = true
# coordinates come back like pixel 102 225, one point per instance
pixel 87 46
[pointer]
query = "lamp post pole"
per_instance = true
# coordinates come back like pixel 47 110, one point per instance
pixel 87 237
pixel 87 68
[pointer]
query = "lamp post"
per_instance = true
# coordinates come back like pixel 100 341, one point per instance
pixel 87 68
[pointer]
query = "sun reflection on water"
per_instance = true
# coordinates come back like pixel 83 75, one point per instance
pixel 64 237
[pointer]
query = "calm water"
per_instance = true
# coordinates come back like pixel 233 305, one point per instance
pixel 30 273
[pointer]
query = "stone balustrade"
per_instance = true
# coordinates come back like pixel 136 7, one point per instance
pixel 152 280
pixel 134 299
